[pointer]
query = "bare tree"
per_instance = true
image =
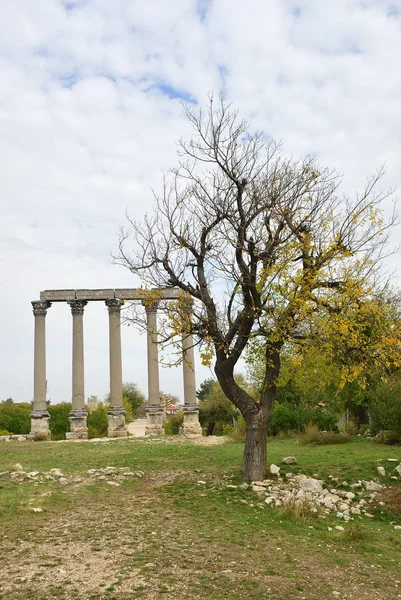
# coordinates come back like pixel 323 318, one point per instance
pixel 259 242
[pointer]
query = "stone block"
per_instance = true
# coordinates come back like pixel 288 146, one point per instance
pixel 127 294
pixel 78 426
pixel 117 427
pixel 40 429
pixel 154 421
pixel 57 295
pixel 106 294
pixel 191 425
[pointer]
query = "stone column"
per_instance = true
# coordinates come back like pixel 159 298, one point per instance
pixel 116 413
pixel 40 416
pixel 154 411
pixel 78 414
pixel 191 424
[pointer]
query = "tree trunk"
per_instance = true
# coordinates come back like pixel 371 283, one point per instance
pixel 255 452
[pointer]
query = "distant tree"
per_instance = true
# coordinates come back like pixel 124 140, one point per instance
pixel 204 388
pixel 135 398
pixel 169 399
pixel 216 410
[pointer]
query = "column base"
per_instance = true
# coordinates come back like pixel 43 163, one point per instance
pixel 191 425
pixel 154 421
pixel 78 426
pixel 40 430
pixel 117 427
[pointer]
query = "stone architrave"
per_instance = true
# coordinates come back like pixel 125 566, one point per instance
pixel 40 417
pixel 191 425
pixel 116 412
pixel 78 415
pixel 154 410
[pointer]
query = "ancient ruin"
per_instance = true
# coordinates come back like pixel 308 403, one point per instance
pixel 114 299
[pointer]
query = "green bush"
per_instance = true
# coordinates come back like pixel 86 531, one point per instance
pixel 59 423
pixel 15 418
pixel 385 411
pixel 98 422
pixel 173 423
pixel 324 418
pixel 288 417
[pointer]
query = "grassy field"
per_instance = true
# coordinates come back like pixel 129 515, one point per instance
pixel 166 535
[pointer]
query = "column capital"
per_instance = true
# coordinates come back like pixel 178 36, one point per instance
pixel 40 308
pixel 150 308
pixel 77 306
pixel 114 305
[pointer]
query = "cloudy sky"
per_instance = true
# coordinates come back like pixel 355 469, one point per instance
pixel 90 114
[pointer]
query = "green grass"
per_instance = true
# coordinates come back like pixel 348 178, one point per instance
pixel 167 536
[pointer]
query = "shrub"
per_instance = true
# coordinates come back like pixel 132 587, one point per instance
pixel 385 411
pixel 59 424
pixel 324 418
pixel 313 435
pixel 15 418
pixel 173 423
pixel 238 431
pixel 286 417
pixel 98 422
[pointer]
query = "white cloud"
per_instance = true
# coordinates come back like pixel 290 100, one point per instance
pixel 90 114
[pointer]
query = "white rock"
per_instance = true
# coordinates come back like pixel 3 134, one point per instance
pixel 56 473
pixel 340 515
pixel 274 469
pixel 289 475
pixel 343 508
pixel 259 489
pixel 269 500
pixel 355 510
pixel 311 485
pixel 18 467
pixel 339 528
pixel 398 469
pixel 397 526
pixel 381 471
pixel 289 460
pixel 32 474
pixel 355 486
pixel 371 486
pixel 200 482
pixel 37 510
pixel 392 460
pixel 350 495
pixel 63 481
pixel 113 483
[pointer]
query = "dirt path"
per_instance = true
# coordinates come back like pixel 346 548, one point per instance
pixel 137 428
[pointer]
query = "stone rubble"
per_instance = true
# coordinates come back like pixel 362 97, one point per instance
pixel 55 475
pixel 321 498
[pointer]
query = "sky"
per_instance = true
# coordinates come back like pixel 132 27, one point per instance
pixel 90 115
